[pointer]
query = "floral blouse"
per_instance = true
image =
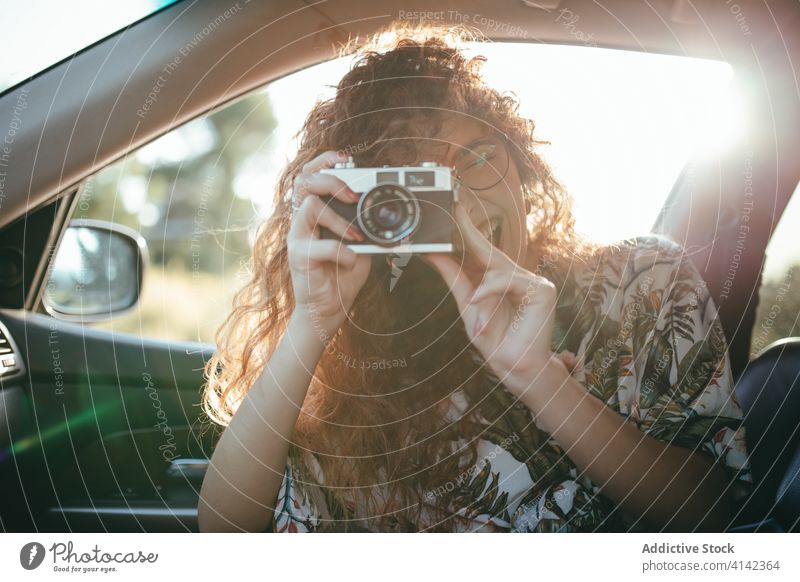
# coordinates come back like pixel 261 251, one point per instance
pixel 637 327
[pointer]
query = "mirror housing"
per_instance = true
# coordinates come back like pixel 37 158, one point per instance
pixel 96 273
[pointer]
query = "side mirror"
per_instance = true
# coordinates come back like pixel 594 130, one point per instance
pixel 97 271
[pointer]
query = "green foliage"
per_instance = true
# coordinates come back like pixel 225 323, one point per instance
pixel 178 192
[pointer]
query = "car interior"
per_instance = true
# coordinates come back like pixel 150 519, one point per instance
pixel 80 447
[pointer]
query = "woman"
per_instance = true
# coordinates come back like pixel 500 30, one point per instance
pixel 531 382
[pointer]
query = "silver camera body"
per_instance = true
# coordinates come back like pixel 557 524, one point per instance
pixel 407 209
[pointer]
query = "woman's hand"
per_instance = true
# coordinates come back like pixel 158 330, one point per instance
pixel 326 275
pixel 508 315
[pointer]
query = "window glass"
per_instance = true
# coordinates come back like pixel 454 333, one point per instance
pixel 621 126
pixel 42 33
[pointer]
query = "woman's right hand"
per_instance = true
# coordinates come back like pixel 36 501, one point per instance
pixel 326 274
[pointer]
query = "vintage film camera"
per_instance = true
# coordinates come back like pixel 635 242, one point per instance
pixel 406 209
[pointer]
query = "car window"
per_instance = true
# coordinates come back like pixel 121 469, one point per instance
pixel 779 295
pixel 621 126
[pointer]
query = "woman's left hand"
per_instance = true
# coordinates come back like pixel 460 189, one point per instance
pixel 508 315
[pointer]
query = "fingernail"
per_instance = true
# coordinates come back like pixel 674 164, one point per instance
pixel 355 196
pixel 354 233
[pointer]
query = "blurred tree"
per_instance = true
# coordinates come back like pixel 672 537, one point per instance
pixel 778 310
pixel 178 190
pixel 179 193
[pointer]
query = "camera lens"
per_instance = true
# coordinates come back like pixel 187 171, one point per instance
pixel 388 213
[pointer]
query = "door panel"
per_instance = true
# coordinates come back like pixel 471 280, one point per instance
pixel 99 430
